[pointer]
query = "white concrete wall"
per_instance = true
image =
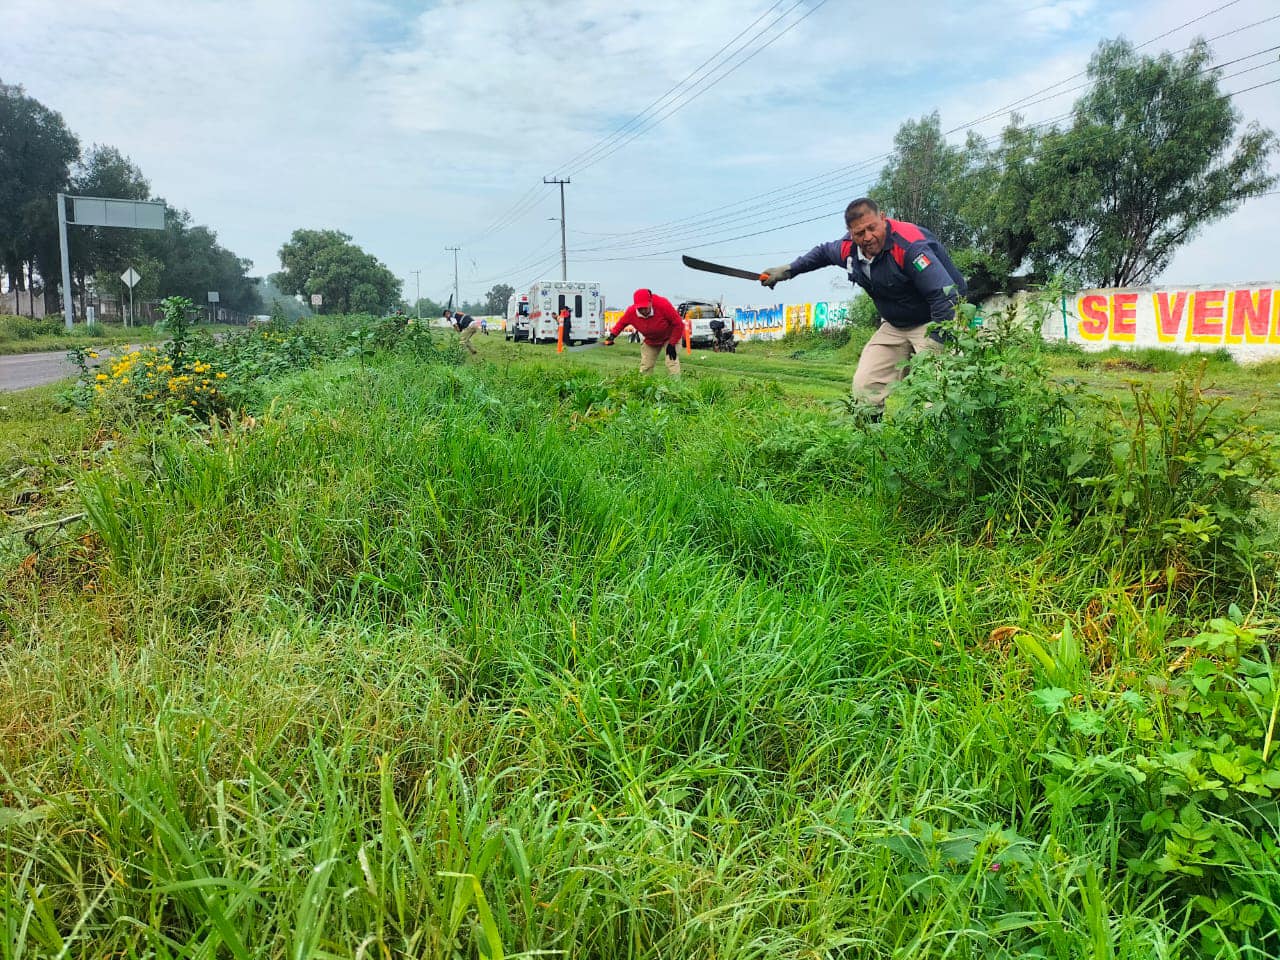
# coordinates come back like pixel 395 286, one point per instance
pixel 1243 319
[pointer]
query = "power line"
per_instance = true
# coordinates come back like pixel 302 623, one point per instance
pixel 582 154
pixel 701 224
pixel 530 198
pixel 1013 105
pixel 677 106
pixel 682 223
pixel 791 192
pixel 822 184
pixel 686 246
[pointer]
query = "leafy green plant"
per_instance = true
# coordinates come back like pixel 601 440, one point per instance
pixel 26 328
pixel 1195 771
pixel 980 422
pixel 361 343
pixel 177 322
pixel 984 864
pixel 1172 480
pixel 828 338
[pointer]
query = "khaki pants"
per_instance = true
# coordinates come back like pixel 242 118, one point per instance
pixel 649 357
pixel 467 334
pixel 880 365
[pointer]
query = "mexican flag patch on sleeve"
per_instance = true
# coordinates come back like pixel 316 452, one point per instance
pixel 921 262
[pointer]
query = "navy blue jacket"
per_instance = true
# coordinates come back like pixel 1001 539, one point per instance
pixel 913 280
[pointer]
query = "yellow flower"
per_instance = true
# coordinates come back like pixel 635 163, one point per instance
pixel 93 355
pixel 125 380
pixel 101 377
pixel 221 376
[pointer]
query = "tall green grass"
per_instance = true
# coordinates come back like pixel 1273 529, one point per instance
pixel 438 662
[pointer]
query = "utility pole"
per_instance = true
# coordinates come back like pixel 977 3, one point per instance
pixel 417 291
pixel 564 259
pixel 457 303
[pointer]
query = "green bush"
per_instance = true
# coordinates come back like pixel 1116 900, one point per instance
pixel 26 328
pixel 1171 482
pixel 1162 484
pixel 863 313
pixel 980 423
pixel 1191 769
pixel 196 376
pixel 808 339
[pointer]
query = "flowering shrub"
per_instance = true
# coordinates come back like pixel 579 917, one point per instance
pixel 199 377
pixel 151 381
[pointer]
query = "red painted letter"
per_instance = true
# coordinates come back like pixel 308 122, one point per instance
pixel 1093 311
pixel 1250 316
pixel 1169 315
pixel 1206 316
pixel 1124 316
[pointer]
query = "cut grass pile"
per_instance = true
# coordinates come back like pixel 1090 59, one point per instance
pixel 517 659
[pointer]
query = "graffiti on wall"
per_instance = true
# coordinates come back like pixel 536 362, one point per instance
pixel 1243 320
pixel 1214 317
pixel 760 322
pixel 830 315
pixel 799 316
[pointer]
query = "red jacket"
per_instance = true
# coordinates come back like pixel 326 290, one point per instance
pixel 665 326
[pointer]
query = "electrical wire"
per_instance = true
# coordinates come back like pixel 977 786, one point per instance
pixel 685 247
pixel 668 227
pixel 822 184
pixel 693 228
pixel 525 203
pixel 675 108
pixel 583 154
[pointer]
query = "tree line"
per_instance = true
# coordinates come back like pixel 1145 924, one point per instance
pixel 39 158
pixel 1152 153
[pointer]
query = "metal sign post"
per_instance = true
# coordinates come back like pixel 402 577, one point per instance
pixel 66 261
pixel 101 212
pixel 130 277
pixel 213 298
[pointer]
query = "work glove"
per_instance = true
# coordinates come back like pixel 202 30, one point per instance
pixel 671 351
pixel 771 276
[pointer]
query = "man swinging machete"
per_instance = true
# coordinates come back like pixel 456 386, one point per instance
pixel 910 278
pixel 905 270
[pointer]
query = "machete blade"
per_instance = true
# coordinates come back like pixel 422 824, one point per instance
pixel 709 267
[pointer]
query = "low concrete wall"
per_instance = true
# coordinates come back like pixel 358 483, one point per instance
pixel 1243 319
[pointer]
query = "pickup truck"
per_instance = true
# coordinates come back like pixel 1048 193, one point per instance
pixel 698 315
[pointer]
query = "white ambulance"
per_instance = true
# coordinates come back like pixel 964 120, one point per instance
pixel 586 311
pixel 517 327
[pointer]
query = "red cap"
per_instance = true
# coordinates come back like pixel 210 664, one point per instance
pixel 643 298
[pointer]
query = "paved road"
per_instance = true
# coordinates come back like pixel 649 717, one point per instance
pixel 22 370
pixel 18 371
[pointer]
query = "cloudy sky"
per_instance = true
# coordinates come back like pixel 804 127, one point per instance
pixel 420 126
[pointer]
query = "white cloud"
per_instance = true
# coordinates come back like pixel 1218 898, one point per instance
pixel 413 126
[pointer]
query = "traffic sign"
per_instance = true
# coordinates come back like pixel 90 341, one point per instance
pixel 130 277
